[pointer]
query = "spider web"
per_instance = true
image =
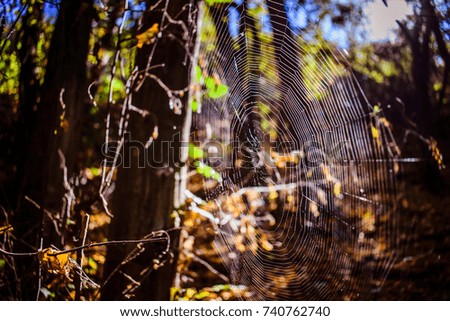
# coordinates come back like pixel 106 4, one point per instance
pixel 307 208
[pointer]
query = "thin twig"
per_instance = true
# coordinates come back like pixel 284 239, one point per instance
pixel 89 245
pixel 80 255
pixel 2 251
pixel 208 266
pixel 108 243
pixel 39 272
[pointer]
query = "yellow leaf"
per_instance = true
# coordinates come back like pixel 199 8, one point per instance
pixel 405 203
pixel 202 295
pixel 396 168
pixel 239 243
pixel 436 153
pixel 273 195
pixel 337 189
pixel 147 36
pixel 63 259
pixel 385 122
pixel 368 222
pixel 52 261
pixel 322 196
pixel 314 209
pixel 174 291
pixel 6 228
pixel 375 132
pixel 190 293
pixel 265 244
pixel 64 124
pixel 155 133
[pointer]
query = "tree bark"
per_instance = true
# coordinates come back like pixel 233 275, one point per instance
pixel 419 39
pixel 65 79
pixel 29 88
pixel 146 196
pixel 287 57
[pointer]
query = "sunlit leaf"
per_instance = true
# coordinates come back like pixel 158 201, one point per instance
pixel 195 152
pixel 375 132
pixel 436 153
pixel 92 172
pixel 198 74
pixel 265 244
pixel 202 295
pixel 190 293
pixel 218 92
pixel 194 106
pixel 207 171
pixel 147 36
pixel 213 2
pixel 221 287
pixel 174 291
pixel 215 88
pixel 337 189
pixel 53 262
pixel 92 264
pixel 6 228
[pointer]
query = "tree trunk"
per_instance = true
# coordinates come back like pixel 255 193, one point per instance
pixel 146 195
pixel 288 60
pixel 419 39
pixel 65 80
pixel 28 36
pixel 29 88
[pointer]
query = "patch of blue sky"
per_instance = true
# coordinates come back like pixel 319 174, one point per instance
pixel 266 26
pixel 233 21
pixel 333 33
pixel 51 9
pixel 298 15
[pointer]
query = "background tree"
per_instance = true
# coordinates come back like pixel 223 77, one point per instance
pixel 58 118
pixel 148 196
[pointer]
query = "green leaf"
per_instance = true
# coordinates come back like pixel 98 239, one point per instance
pixel 221 287
pixel 264 108
pixel 218 92
pixel 207 171
pixel 213 2
pixel 215 90
pixel 2 263
pixel 96 171
pixel 194 152
pixel 93 264
pixel 198 74
pixel 210 83
pixel 202 295
pixel 194 106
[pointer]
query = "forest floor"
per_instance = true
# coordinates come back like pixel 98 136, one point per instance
pixel 420 271
pixel 423 269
